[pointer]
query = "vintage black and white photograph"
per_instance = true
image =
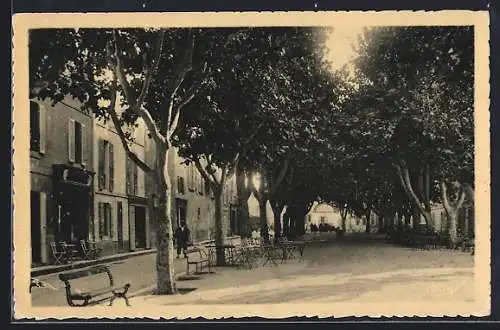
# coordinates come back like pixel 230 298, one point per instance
pixel 337 164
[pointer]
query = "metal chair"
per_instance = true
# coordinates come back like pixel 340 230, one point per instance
pixel 60 255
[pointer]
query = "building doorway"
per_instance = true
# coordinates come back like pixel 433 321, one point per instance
pixel 181 211
pixel 75 216
pixel 36 232
pixel 140 227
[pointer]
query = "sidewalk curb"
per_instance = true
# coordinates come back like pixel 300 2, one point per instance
pixel 47 270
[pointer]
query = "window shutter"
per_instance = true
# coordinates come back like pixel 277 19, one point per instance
pixel 71 140
pixel 83 155
pixel 136 178
pixel 127 174
pixel 102 175
pixel 111 167
pixel 42 121
pixel 109 215
pixel 191 177
pixel 131 216
pixel 101 220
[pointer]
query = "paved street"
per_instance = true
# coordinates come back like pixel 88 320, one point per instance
pixel 355 268
pixel 140 272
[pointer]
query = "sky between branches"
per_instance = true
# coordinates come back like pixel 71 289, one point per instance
pixel 340 44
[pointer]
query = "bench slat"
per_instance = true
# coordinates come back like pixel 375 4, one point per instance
pixel 97 292
pixel 82 273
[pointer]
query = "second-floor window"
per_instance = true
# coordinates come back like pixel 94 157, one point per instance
pixel 76 142
pixel 106 165
pixel 132 177
pixel 191 185
pixel 37 127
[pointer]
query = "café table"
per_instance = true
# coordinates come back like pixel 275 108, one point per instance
pixel 246 256
pixel 298 245
pixel 70 250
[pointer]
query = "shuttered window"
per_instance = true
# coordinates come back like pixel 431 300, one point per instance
pixel 83 155
pixel 128 175
pixel 101 220
pixel 192 178
pixel 102 167
pixel 71 140
pixel 37 127
pixel 106 165
pixel 105 220
pixel 76 142
pixel 111 163
pixel 109 220
pixel 135 178
pixel 132 177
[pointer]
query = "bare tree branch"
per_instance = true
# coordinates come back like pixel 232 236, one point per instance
pixel 185 66
pixel 404 176
pixel 152 127
pixel 449 207
pixel 136 106
pixel 121 134
pixel 207 175
pixel 231 168
pixel 150 70
pixel 172 126
pixel 280 177
pixel 470 192
pixel 202 171
pixel 120 72
pixel 460 199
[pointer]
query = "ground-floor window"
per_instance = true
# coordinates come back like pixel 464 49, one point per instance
pixel 105 220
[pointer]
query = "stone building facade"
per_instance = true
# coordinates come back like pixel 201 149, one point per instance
pixel 84 187
pixel 61 174
pixel 192 200
pixel 120 206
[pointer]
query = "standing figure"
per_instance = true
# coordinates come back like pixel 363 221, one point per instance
pixel 182 238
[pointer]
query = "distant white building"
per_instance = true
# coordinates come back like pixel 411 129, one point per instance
pixel 323 213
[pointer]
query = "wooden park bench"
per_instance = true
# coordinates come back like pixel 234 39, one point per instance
pixel 109 291
pixel 199 258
